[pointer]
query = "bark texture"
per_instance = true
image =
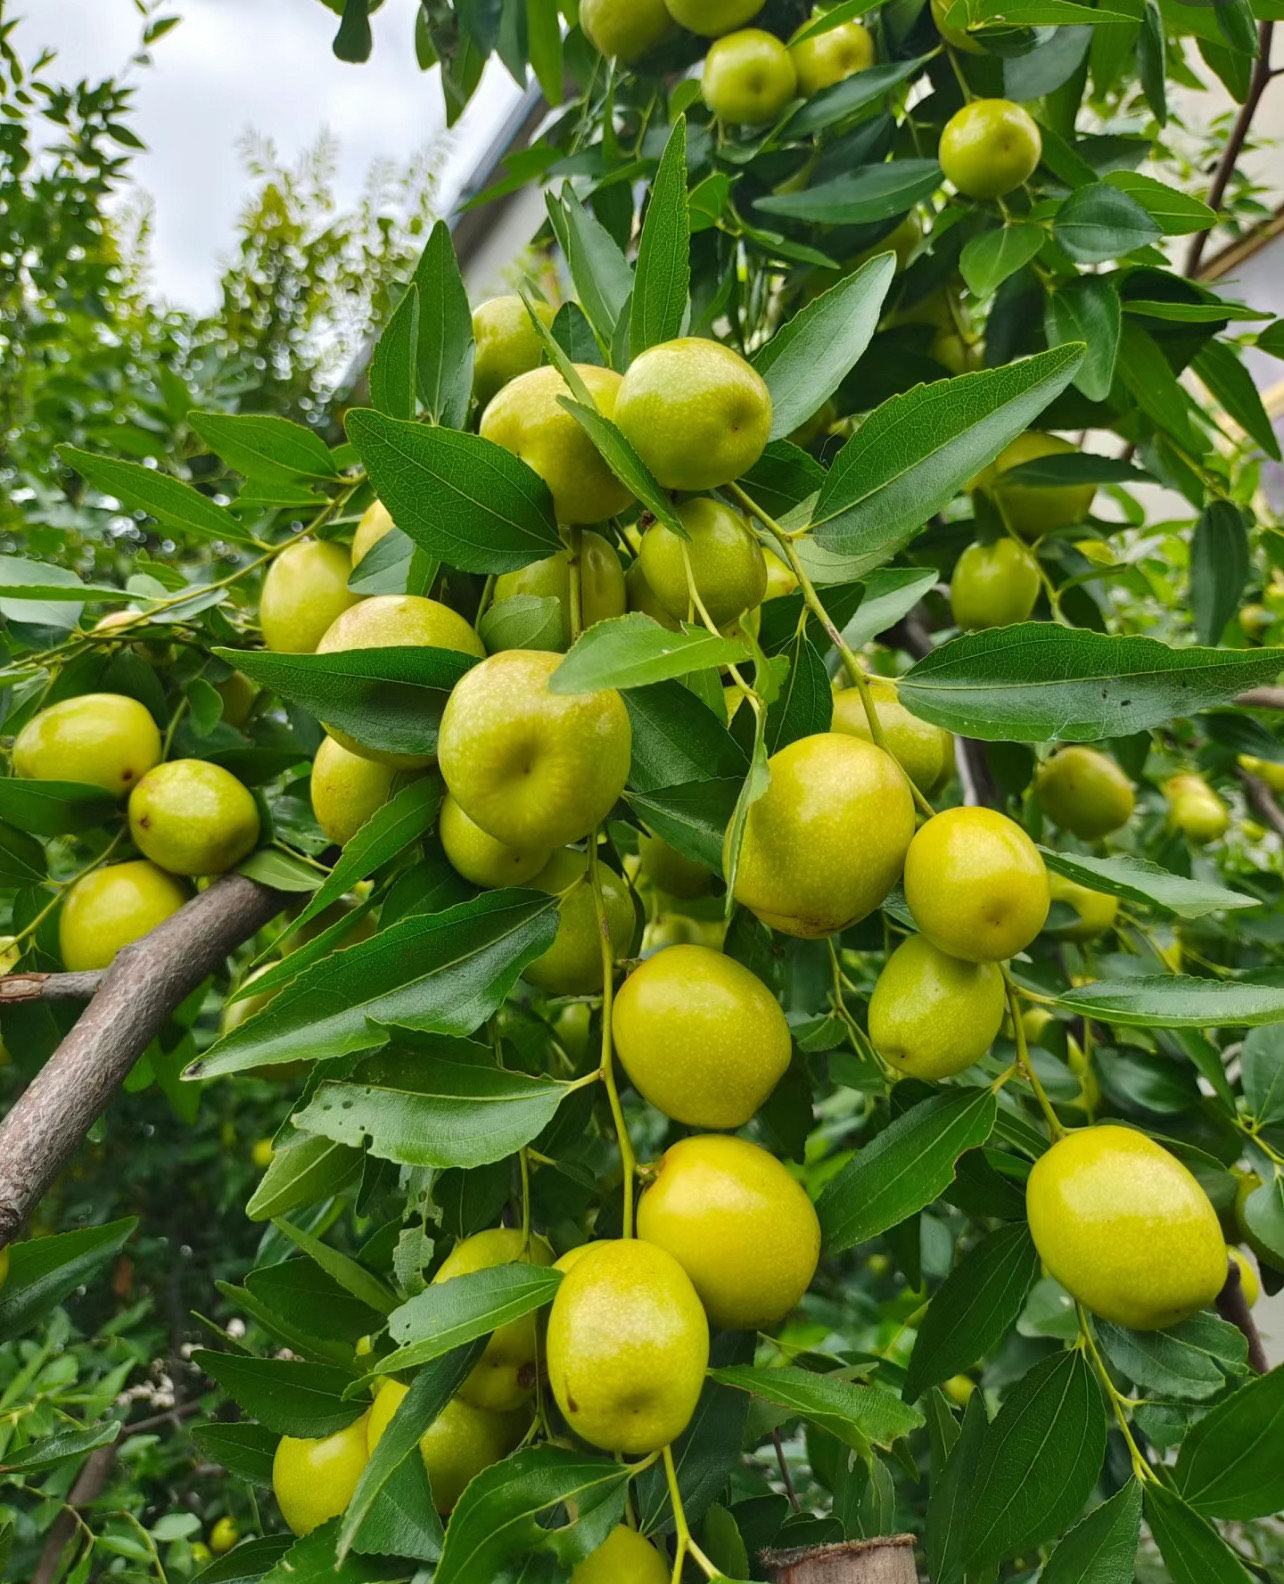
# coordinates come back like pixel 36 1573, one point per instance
pixel 887 1560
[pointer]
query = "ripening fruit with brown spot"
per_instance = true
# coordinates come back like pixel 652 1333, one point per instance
pixel 106 740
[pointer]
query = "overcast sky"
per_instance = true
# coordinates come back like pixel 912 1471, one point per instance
pixel 265 66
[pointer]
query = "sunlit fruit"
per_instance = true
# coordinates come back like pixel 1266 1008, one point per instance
pixel 376 521
pixel 601 583
pixel 1095 911
pixel 572 965
pixel 305 590
pixel 505 1376
pixel 826 842
pixel 924 752
pixel 527 419
pixel 701 1037
pixel 696 413
pixel 741 1227
pixel 261 1153
pixel 532 767
pixel 460 1442
pixel 98 739
pixel 627 1347
pixel 1084 792
pixel 827 58
pixel 314 1479
pixel 625 30
pixel 224 1535
pixel 1033 510
pixel 1125 1228
pixel 727 569
pixel 624 1557
pixel 976 884
pixel 192 817
pixel 482 859
pixel 671 871
pixel 506 342
pixel 994 585
pixel 749 77
pixel 932 1015
pixel 397 621
pixel 989 147
pixel 113 907
pixel 346 789
pixel 1194 809
pixel 713 17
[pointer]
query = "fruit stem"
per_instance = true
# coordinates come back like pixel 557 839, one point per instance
pixel 686 1546
pixel 628 1161
pixel 1118 1402
pixel 524 1167
pixel 813 602
pixel 750 694
pixel 1024 1065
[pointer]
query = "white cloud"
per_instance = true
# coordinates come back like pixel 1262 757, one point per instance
pixel 234 66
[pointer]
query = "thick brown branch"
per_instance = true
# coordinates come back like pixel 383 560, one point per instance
pixel 1233 1306
pixel 49 987
pixel 1262 698
pixel 1235 143
pixel 888 1560
pixel 1263 800
pixel 137 994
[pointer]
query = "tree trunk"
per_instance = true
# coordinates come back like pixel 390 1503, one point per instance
pixel 887 1560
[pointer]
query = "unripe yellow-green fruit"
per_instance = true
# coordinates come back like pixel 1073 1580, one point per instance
pixel 956 38
pixel 113 907
pixel 741 1227
pixel 1095 910
pixel 1033 510
pixel 696 413
pixel 959 1389
pixel 100 739
pixel 572 1027
pixel 624 1557
pixel 749 77
pixel 711 18
pixel 924 752
pixel 527 419
pixel 727 567
pixel 532 767
pixel 1194 809
pixel 224 1535
pixel 396 621
pixel 671 871
pixel 1084 792
pixel 827 840
pixel 201 1554
pixel 601 583
pixel 642 597
pixel 346 789
pixel 238 694
pixel 505 1376
pixel 572 965
pixel 482 859
pixel 989 147
pixel 304 592
pixel 625 30
pixel 954 352
pixel 459 1443
pixel 932 1015
pixel 827 58
pixel 376 521
pixel 994 585
pixel 1125 1228
pixel 1035 1019
pixel 507 343
pixel 261 1153
pixel 314 1479
pixel 701 1037
pixel 193 817
pixel 1249 1281
pixel 976 884
pixel 1254 619
pixel 627 1347
pixel 1269 770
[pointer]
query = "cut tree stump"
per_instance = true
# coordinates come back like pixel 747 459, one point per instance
pixel 887 1560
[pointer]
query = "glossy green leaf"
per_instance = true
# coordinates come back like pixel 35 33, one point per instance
pixel 442 973
pixel 244 1450
pixel 692 816
pixel 1220 368
pixel 602 275
pixel 1189 1361
pixel 251 1562
pixel 42 1271
pixel 1176 1001
pixel 524 621
pixel 463 499
pixel 1177 213
pixel 889 594
pixel 950 1496
pixel 1100 222
pixel 350 1274
pixel 444 342
pixel 914 453
pixel 877 192
pixel 1229 1464
pixel 619 455
pixel 974 1309
pixel 663 272
pixel 167 499
pixel 987 260
pixel 904 1168
pixel 287 1395
pixel 1087 312
pixel 838 101
pixel 450 1314
pixel 810 356
pixel 805 704
pixel 260 445
pixel 860 1416
pixel 1220 567
pixel 394 363
pixel 1139 880
pixel 677 739
pixel 635 651
pixel 1261 1065
pixel 306 1170
pixel 1101 1548
pixel 448 1107
pixel 55 808
pixel 1042 682
pixel 1192 1549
